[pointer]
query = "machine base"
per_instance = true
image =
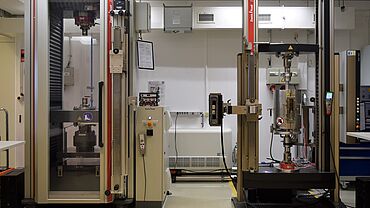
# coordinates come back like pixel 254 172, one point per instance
pixel 127 203
pixel 270 187
pixel 313 203
pixel 303 179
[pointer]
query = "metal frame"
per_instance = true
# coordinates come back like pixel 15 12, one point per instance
pixel 37 109
pixel 327 144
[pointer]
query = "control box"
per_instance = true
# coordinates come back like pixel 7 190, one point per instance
pixel 152 164
pixel 365 108
pixel 365 116
pixel 216 109
pixel 178 18
pixel 143 17
pixel 365 94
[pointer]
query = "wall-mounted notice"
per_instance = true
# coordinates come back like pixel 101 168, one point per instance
pixel 145 55
pixel 158 87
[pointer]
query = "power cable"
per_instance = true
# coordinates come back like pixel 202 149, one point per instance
pixel 223 152
pixel 176 150
pixel 144 168
pixel 336 173
pixel 271 143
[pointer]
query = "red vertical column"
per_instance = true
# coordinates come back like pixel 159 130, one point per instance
pixel 251 24
pixel 109 104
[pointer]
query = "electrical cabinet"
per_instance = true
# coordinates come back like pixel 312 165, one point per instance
pixel 152 165
pixel 350 62
pixel 143 17
pixel 178 18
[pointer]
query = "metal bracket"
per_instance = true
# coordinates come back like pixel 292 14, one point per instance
pixel 252 109
pixel 116 62
pixel 238 110
pixel 132 101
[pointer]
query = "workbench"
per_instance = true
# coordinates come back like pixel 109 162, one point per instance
pixel 360 135
pixel 5 145
pixel 355 158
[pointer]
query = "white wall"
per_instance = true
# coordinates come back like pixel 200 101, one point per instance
pixel 19 104
pixel 192 66
pixel 7 60
pixel 357 38
pixel 10 89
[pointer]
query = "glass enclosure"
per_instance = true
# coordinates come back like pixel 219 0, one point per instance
pixel 74 70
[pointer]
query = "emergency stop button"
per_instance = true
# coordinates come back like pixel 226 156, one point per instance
pixel 150 124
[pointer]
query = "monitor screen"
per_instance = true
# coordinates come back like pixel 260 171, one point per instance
pixel 329 95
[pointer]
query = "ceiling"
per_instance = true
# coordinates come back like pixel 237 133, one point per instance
pixel 15 7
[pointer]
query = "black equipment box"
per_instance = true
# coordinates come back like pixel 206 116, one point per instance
pixel 12 189
pixel 362 192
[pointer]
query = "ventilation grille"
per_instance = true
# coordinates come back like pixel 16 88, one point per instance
pixel 196 162
pixel 56 60
pixel 264 18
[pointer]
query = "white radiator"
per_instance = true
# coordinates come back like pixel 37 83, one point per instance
pixel 197 162
pixel 199 149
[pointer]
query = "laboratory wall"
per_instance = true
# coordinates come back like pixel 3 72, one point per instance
pixel 194 64
pixel 357 38
pixel 10 79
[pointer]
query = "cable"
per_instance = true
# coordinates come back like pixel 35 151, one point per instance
pixel 336 172
pixel 310 204
pixel 234 155
pixel 144 168
pixel 176 151
pixel 134 156
pixel 223 151
pixel 70 52
pixel 271 142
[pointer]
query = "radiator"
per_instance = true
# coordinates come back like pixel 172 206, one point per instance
pixel 197 162
pixel 199 149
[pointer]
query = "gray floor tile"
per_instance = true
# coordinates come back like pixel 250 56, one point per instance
pixel 200 195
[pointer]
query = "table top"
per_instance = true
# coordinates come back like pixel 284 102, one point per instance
pixel 360 135
pixel 4 145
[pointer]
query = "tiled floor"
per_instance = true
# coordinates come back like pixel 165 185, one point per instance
pixel 200 195
pixel 216 195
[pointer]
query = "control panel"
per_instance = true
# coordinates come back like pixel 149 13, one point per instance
pixel 365 94
pixel 151 154
pixel 364 106
pixel 216 112
pixel 142 144
pixel 150 124
pixel 358 114
pixel 329 103
pixel 149 99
